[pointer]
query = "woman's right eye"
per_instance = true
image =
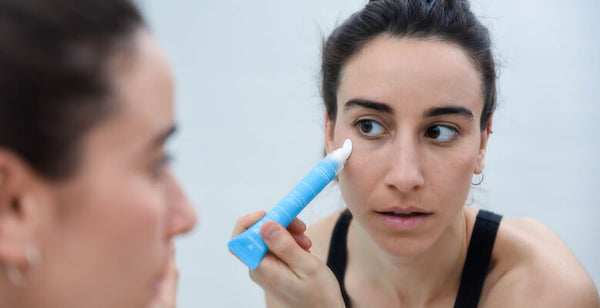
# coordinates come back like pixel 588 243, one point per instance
pixel 370 128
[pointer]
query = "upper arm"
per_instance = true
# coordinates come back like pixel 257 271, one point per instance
pixel 525 288
pixel 543 272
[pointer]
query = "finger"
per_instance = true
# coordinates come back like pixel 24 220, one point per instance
pixel 283 245
pixel 272 273
pixel 296 226
pixel 246 222
pixel 303 241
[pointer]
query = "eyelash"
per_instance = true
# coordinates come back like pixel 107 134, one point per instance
pixel 454 131
pixel 358 125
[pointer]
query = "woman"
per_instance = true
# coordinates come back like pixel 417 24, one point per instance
pixel 412 83
pixel 88 204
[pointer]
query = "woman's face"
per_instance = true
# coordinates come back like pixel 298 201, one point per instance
pixel 105 240
pixel 412 109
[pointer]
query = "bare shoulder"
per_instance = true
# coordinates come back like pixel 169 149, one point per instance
pixel 533 267
pixel 320 235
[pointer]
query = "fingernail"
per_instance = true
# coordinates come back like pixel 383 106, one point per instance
pixel 270 231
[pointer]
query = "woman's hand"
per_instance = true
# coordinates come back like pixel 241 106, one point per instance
pixel 289 272
pixel 166 297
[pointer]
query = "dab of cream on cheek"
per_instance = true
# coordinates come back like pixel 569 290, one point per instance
pixel 249 246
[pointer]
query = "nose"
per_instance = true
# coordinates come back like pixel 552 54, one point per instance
pixel 404 170
pixel 182 216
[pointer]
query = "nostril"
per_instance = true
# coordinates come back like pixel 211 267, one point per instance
pixel 404 177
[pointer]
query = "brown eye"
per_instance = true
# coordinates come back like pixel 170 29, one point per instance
pixel 370 128
pixel 366 127
pixel 441 133
pixel 433 132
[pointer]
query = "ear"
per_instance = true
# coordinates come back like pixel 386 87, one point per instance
pixel 329 130
pixel 16 223
pixel 485 135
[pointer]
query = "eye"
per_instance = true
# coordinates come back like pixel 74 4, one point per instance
pixel 370 128
pixel 161 164
pixel 441 133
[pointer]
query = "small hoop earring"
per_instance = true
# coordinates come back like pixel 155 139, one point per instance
pixel 34 259
pixel 478 182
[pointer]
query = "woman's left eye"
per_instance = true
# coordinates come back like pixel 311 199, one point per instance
pixel 441 133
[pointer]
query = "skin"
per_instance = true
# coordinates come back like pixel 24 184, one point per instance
pixel 105 233
pixel 412 108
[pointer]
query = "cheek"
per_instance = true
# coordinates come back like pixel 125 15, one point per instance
pixel 361 174
pixel 122 222
pixel 109 229
pixel 138 215
pixel 457 163
pixel 449 175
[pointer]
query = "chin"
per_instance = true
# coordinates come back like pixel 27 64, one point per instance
pixel 402 245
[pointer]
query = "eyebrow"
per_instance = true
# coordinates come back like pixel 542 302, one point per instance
pixel 381 107
pixel 433 112
pixel 162 137
pixel 448 110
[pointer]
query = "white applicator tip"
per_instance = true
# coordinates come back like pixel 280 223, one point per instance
pixel 342 154
pixel 347 147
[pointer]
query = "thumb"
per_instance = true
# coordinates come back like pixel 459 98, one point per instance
pixel 282 244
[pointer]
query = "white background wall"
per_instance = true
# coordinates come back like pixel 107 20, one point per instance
pixel 251 121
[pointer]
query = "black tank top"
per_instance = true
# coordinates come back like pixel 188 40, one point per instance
pixel 474 271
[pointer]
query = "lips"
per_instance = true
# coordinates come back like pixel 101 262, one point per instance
pixel 404 212
pixel 403 218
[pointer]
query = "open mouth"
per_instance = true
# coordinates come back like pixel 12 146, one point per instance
pixel 405 214
pixel 404 219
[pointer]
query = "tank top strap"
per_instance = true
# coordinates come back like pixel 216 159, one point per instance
pixel 478 259
pixel 336 257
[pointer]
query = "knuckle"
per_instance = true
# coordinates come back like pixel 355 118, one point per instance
pixel 312 267
pixel 267 273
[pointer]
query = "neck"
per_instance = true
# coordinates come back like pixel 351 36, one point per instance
pixel 417 279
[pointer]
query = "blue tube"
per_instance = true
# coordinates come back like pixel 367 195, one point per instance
pixel 249 246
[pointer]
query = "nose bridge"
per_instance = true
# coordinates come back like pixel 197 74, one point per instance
pixel 404 169
pixel 182 216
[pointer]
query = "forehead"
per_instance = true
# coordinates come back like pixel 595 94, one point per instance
pixel 143 95
pixel 142 80
pixel 423 72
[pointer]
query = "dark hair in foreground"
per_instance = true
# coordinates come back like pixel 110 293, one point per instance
pixel 447 20
pixel 54 79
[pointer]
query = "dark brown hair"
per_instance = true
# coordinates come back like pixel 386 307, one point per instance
pixel 54 80
pixel 448 20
